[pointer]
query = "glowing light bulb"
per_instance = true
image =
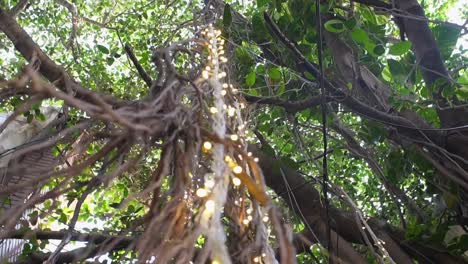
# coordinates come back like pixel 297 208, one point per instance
pixel 245 222
pixel 205 75
pixel 236 181
pixel 256 159
pixel 213 110
pixel 210 183
pixel 231 111
pixel 265 219
pixel 210 206
pixel 237 169
pixel 249 154
pixel 249 211
pixel 207 145
pixel 223 92
pixel 234 137
pixel 225 85
pixel 249 218
pixel 208 68
pixel 201 193
pixel 256 259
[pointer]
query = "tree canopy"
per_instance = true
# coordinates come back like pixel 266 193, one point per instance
pixel 267 131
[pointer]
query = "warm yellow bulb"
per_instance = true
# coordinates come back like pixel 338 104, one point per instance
pixel 236 181
pixel 237 169
pixel 223 92
pixel 265 219
pixel 245 221
pixel 202 193
pixel 256 259
pixel 213 110
pixel 234 137
pixel 225 85
pixel 205 75
pixel 207 145
pixel 256 159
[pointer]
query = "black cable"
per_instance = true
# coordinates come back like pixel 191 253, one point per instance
pixel 324 127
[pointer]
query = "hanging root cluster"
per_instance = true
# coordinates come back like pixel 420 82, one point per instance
pixel 206 197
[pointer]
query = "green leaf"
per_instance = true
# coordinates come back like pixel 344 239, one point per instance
pixel 335 25
pixel 446 37
pixel 379 50
pixel 400 48
pixel 350 23
pixel 227 16
pixel 110 61
pixel 274 74
pixel 41 117
pixel 463 79
pixel 359 35
pixel 250 78
pixel 309 76
pixel 103 49
pixel 29 119
pixel 261 3
pixel 397 70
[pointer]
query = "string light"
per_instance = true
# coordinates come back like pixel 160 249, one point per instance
pixel 207 145
pixel 237 169
pixel 265 219
pixel 209 183
pixel 201 193
pixel 256 159
pixel 245 222
pixel 234 137
pixel 213 110
pixel 256 259
pixel 210 206
pixel 231 111
pixel 236 181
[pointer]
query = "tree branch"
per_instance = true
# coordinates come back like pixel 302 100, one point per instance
pixel 146 78
pixel 290 106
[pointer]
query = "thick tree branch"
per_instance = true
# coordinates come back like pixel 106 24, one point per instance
pixel 290 106
pixel 307 202
pixel 48 68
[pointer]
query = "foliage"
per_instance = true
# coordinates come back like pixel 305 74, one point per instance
pixel 383 170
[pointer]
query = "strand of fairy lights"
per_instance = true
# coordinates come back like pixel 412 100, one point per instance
pixel 218 180
pixel 222 166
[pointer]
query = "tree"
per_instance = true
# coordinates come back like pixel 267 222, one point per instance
pixel 211 131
